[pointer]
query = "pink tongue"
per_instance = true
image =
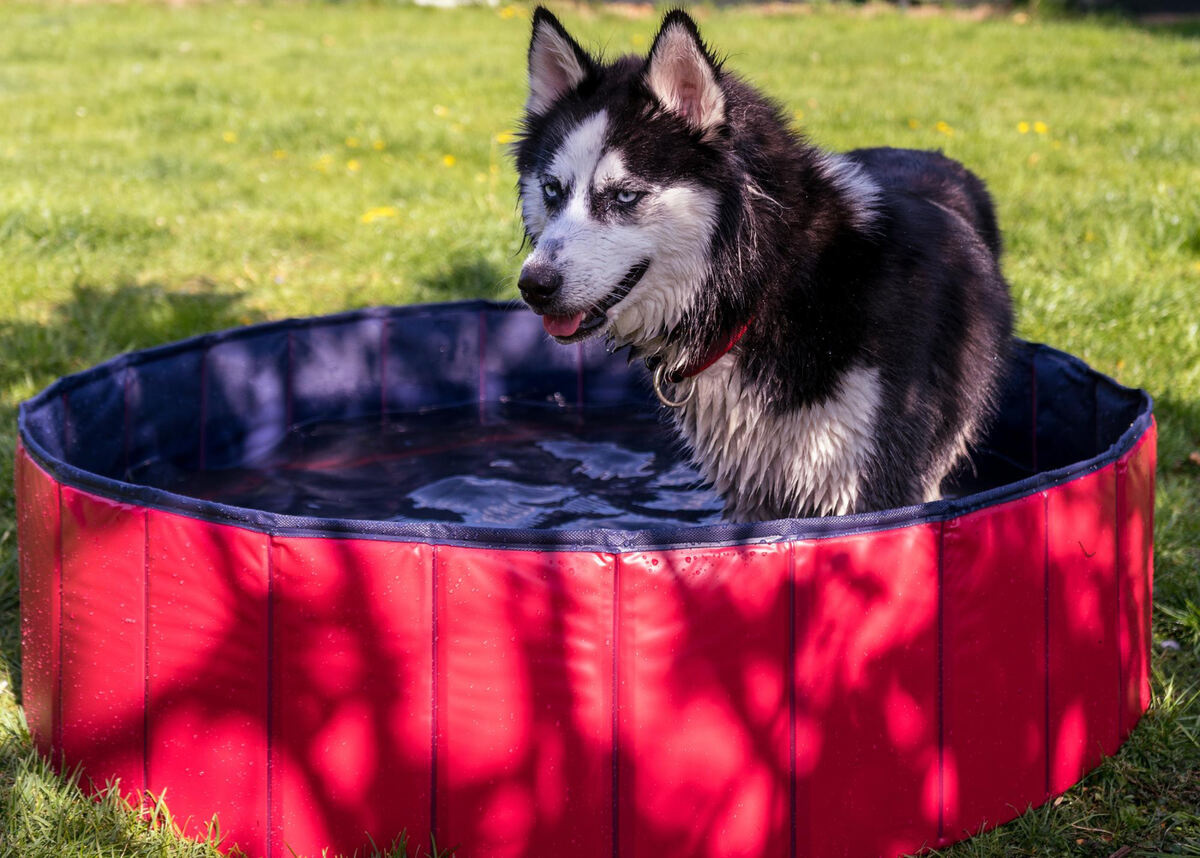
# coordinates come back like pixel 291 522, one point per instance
pixel 562 326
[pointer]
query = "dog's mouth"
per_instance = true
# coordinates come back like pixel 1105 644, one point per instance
pixel 581 325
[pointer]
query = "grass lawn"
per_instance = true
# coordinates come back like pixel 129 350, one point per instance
pixel 166 171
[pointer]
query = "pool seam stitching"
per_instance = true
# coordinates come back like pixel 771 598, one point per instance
pixel 434 690
pixel 793 813
pixel 941 683
pixel 614 697
pixel 1046 745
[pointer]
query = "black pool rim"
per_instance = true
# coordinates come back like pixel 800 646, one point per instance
pixel 590 539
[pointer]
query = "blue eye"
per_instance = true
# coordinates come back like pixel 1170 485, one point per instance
pixel 627 197
pixel 552 191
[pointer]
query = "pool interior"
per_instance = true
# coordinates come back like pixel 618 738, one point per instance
pixel 545 469
pixel 466 415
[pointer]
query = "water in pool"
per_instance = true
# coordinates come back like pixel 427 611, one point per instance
pixel 618 469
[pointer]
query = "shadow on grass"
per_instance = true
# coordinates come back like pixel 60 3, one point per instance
pixel 1181 415
pixel 1160 21
pixel 94 324
pixel 99 322
pixel 470 278
pixel 1183 27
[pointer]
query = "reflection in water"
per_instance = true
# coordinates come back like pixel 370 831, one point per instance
pixel 533 468
pixel 611 468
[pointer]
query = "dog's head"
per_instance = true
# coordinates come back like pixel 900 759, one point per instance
pixel 618 169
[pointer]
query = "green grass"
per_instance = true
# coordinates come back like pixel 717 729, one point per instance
pixel 166 171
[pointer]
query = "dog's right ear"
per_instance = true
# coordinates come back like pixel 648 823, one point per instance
pixel 556 63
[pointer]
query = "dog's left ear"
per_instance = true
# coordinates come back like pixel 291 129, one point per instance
pixel 683 76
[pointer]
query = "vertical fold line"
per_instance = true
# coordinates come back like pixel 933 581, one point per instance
pixel 1117 505
pixel 579 378
pixel 288 394
pixel 125 427
pixel 202 440
pixel 941 681
pixel 56 706
pixel 1147 583
pixel 1033 385
pixel 271 726
pixel 383 356
pixel 791 700
pixel 434 691
pixel 482 349
pixel 146 655
pixel 616 707
pixel 1047 745
pixel 66 433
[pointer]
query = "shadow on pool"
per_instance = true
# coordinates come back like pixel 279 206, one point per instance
pixel 720 700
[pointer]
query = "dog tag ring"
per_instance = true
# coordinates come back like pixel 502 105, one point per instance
pixel 660 378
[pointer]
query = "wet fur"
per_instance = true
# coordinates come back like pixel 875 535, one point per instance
pixel 881 320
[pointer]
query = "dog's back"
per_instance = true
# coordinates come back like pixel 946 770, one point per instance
pixel 933 176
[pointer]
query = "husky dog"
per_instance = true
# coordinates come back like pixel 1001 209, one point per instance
pixel 829 330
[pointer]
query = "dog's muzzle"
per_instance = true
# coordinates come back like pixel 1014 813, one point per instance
pixel 570 327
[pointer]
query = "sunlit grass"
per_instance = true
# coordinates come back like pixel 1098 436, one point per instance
pixel 165 171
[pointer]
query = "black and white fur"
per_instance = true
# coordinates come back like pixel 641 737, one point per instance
pixel 667 203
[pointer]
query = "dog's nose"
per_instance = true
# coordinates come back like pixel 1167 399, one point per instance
pixel 539 283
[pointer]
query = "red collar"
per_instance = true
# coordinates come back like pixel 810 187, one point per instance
pixel 719 350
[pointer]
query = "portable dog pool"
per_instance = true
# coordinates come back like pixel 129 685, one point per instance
pixel 208 612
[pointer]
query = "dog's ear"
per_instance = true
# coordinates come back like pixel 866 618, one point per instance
pixel 683 75
pixel 556 63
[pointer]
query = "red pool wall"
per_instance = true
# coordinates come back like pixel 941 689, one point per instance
pixel 859 695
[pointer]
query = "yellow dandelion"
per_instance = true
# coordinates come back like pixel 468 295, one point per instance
pixel 638 40
pixel 441 110
pixel 1040 127
pixel 449 160
pixel 943 127
pixel 1089 236
pixel 1196 265
pixel 378 213
pixel 1021 18
pixel 378 145
pixel 353 165
pixel 494 169
pixel 509 12
pixel 914 124
pixel 352 143
pixel 798 116
pixel 229 136
pixel 323 163
pixel 505 137
pixel 1034 157
pixel 279 154
pixel 1022 127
